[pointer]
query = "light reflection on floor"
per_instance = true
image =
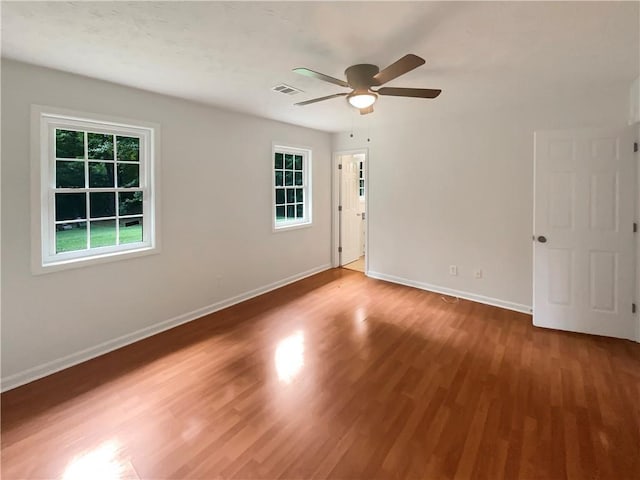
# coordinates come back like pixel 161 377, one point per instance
pixel 102 463
pixel 360 323
pixel 289 357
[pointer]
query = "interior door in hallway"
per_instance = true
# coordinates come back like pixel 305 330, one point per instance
pixel 583 231
pixel 351 217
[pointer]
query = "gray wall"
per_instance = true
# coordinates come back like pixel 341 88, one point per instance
pixel 216 226
pixel 458 190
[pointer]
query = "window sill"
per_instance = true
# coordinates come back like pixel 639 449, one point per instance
pixel 293 226
pixel 57 266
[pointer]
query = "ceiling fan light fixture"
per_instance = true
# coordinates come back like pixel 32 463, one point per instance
pixel 362 98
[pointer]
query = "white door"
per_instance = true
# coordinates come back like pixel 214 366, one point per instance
pixel 583 231
pixel 351 217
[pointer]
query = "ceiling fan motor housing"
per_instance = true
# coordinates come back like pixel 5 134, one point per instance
pixel 360 77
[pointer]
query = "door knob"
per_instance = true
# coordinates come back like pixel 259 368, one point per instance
pixel 542 239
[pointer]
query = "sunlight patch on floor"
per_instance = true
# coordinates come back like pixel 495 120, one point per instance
pixel 289 357
pixel 102 463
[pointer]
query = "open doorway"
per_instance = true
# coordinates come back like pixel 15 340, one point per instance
pixel 352 209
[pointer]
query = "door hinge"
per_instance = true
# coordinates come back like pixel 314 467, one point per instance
pixel 635 227
pixel 339 208
pixel 339 166
pixel 635 147
pixel 633 308
pixel 339 249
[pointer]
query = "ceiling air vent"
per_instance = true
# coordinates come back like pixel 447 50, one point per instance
pixel 286 89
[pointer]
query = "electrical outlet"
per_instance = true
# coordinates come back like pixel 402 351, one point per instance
pixel 479 273
pixel 453 270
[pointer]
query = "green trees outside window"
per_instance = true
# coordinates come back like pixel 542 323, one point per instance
pixel 98 200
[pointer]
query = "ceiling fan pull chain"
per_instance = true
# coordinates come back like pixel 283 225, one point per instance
pixel 353 114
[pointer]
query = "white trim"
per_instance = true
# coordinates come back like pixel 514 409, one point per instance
pixel 636 218
pixel 39 371
pixel 43 120
pixel 292 226
pixel 124 254
pixel 495 302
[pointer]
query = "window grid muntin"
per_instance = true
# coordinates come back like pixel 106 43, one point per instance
pixel 87 126
pixel 305 217
pixel 285 189
pixel 87 190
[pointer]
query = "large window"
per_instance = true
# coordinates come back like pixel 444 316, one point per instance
pixel 96 182
pixel 292 190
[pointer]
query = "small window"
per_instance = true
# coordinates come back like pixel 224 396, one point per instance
pixel 292 187
pixel 96 181
pixel 361 179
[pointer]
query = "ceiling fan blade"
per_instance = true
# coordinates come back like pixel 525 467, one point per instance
pixel 320 76
pixel 409 92
pixel 364 111
pixel 400 67
pixel 314 100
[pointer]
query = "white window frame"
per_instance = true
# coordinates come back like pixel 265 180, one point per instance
pixel 361 178
pixel 306 220
pixel 44 122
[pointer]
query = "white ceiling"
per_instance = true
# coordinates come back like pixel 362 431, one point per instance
pixel 230 54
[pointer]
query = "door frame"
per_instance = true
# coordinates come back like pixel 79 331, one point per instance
pixel 636 162
pixel 335 202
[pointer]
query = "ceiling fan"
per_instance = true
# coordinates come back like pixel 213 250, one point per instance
pixel 361 78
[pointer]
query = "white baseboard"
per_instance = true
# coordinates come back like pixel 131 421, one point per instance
pixel 34 373
pixel 453 293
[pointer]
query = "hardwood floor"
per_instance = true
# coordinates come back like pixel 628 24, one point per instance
pixel 338 376
pixel 357 265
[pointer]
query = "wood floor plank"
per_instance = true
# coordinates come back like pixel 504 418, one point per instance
pixel 338 376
